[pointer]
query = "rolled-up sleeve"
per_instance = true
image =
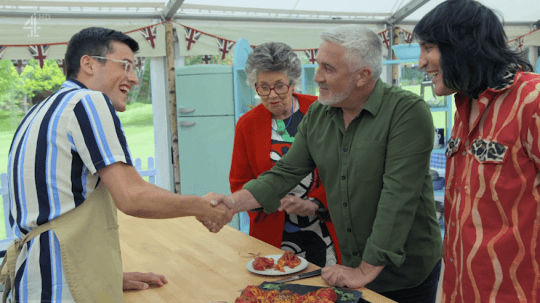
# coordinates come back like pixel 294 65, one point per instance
pixel 274 184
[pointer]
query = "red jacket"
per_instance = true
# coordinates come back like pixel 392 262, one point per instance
pixel 251 157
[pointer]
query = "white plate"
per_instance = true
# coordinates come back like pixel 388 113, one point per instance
pixel 272 272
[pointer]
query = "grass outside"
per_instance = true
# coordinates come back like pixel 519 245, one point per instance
pixel 137 122
pixel 138 126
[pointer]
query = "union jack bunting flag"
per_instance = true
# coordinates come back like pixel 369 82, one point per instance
pixel 192 36
pixel 139 65
pixel 62 65
pixel 150 34
pixel 39 52
pixel 206 59
pixel 405 36
pixel 224 46
pixel 385 37
pixel 519 43
pixel 20 65
pixel 2 50
pixel 139 62
pixel 311 55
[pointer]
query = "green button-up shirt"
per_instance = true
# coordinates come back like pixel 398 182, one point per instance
pixel 376 176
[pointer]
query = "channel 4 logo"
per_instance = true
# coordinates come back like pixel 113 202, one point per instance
pixel 32 23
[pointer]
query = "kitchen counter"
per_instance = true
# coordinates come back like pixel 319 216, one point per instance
pixel 201 267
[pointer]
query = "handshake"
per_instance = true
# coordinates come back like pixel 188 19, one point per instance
pixel 218 210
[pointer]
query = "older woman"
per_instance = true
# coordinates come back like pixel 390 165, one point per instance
pixel 263 136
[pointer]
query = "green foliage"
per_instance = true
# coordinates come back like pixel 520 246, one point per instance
pixel 142 93
pixel 37 80
pixel 8 76
pixel 33 81
pixel 10 96
pixel 345 296
pixel 411 75
pixel 137 122
pixel 271 286
pixel 10 84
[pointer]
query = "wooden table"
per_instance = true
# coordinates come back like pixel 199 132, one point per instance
pixel 201 267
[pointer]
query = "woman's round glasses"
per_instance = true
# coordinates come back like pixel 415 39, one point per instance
pixel 280 89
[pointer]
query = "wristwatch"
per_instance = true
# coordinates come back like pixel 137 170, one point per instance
pixel 322 212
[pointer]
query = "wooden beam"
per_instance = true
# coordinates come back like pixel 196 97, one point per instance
pixel 169 38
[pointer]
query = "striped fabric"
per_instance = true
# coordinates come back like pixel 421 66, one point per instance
pixel 56 151
pixel 492 199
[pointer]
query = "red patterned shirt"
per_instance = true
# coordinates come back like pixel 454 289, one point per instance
pixel 492 199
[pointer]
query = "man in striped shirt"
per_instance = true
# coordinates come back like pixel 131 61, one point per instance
pixel 64 148
pixel 492 198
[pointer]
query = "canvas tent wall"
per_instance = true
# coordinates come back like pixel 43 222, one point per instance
pixel 297 23
pixel 25 23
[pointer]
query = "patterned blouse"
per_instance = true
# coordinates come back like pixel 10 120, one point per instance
pixel 492 198
pixel 308 236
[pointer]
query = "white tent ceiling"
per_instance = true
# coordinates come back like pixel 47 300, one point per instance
pixel 296 22
pixel 523 11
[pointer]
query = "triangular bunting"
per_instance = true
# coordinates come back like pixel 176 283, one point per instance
pixel 206 59
pixel 139 64
pixel 405 36
pixel 311 54
pixel 20 65
pixel 385 37
pixel 150 34
pixel 224 46
pixel 519 43
pixel 39 52
pixel 62 65
pixel 192 36
pixel 2 50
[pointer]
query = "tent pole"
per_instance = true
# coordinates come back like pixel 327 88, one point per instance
pixel 533 55
pixel 169 40
pixel 389 53
pixel 395 67
pixel 162 131
pixel 405 11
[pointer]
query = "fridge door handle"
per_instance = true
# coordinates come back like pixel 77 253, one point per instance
pixel 184 110
pixel 187 123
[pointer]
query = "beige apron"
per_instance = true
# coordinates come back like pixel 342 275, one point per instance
pixel 90 246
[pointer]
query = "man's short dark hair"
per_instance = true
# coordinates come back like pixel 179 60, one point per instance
pixel 474 50
pixel 93 41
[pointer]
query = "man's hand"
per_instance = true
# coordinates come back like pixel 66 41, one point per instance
pixel 208 212
pixel 343 276
pixel 297 206
pixel 222 203
pixel 138 281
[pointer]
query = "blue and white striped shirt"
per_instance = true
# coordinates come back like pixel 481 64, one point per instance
pixel 53 161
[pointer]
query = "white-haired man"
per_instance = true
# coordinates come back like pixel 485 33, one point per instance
pixel 372 145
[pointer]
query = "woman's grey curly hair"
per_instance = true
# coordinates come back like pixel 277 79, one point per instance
pixel 275 57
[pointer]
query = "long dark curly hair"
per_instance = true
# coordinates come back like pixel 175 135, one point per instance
pixel 474 50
